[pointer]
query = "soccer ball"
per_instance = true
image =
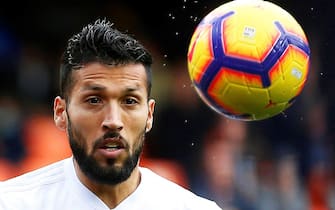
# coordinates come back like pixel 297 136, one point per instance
pixel 248 59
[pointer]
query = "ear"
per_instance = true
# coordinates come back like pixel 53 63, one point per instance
pixel 60 115
pixel 151 106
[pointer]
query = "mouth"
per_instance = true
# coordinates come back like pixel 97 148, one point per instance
pixel 112 147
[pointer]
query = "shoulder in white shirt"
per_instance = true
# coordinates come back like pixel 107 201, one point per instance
pixel 56 187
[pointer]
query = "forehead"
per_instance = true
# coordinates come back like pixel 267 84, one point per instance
pixel 118 76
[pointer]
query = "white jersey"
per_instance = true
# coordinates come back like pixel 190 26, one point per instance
pixel 56 187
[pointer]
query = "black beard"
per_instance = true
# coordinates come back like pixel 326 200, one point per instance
pixel 111 175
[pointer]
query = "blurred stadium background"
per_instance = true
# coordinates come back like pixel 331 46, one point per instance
pixel 285 162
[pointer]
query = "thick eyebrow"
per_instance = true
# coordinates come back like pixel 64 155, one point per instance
pixel 131 89
pixel 92 87
pixel 97 87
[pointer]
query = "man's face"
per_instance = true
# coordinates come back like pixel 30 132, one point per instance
pixel 107 116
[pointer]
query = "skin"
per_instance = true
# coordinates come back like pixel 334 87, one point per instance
pixel 103 99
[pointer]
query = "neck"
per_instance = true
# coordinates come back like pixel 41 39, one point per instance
pixel 111 195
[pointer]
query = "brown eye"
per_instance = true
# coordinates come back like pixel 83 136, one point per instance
pixel 94 100
pixel 130 101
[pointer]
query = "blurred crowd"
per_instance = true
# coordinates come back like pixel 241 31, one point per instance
pixel 285 162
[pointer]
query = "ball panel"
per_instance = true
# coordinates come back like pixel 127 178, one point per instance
pixel 235 77
pixel 200 52
pixel 244 35
pixel 250 103
pixel 289 75
pixel 295 68
pixel 218 107
pixel 239 97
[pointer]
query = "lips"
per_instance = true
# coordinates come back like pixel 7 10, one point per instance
pixel 112 144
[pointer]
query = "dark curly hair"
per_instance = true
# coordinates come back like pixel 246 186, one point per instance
pixel 101 42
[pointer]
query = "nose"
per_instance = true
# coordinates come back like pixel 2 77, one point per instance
pixel 113 118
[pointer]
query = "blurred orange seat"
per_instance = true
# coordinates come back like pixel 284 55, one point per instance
pixel 44 143
pixel 8 169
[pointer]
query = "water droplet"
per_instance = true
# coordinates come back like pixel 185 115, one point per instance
pixel 193 18
pixel 284 114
